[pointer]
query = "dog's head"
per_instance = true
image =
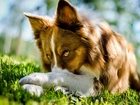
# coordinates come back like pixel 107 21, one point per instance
pixel 63 41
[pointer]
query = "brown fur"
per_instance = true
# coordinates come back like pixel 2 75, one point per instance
pixel 93 45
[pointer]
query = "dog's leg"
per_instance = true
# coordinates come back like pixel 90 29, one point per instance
pixel 122 84
pixel 133 77
pixel 35 82
pixel 127 75
pixel 116 80
pixel 41 79
pixel 82 85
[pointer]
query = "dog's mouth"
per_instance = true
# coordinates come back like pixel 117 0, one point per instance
pixel 77 72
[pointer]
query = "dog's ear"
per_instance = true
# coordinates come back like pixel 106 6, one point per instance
pixel 38 23
pixel 67 16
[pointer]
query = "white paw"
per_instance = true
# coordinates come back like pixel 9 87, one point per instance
pixel 33 89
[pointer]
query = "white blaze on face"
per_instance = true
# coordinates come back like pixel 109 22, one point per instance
pixel 53 47
pixel 53 51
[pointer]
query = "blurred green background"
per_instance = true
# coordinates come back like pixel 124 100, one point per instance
pixel 16 35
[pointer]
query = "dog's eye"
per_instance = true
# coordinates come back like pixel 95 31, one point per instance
pixel 66 53
pixel 48 56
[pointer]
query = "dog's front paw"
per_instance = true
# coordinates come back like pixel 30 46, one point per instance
pixel 33 89
pixel 34 78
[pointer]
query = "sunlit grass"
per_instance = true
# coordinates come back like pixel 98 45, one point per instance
pixel 12 68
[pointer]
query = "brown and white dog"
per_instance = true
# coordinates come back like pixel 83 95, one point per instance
pixel 85 47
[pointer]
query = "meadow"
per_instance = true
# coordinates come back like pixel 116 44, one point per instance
pixel 12 68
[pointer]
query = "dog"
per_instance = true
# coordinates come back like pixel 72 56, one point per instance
pixel 83 46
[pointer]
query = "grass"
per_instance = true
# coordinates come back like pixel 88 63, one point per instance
pixel 12 68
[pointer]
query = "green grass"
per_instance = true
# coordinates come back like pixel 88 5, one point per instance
pixel 12 68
